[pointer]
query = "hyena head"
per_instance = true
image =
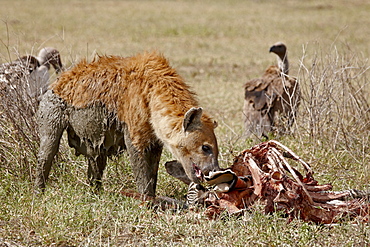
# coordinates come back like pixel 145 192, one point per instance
pixel 196 147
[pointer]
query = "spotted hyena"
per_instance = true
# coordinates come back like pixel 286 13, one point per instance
pixel 137 103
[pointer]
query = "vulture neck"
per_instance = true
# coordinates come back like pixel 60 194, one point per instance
pixel 283 63
pixel 44 62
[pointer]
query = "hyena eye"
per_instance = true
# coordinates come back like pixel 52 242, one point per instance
pixel 207 149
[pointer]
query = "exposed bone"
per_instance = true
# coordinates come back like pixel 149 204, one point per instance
pixel 328 196
pixel 294 175
pixel 273 163
pixel 294 156
pixel 316 188
pixel 256 173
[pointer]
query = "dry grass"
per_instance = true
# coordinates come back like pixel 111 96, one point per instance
pixel 216 46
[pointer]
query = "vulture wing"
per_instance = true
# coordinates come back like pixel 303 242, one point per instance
pixel 258 100
pixel 14 76
pixel 272 97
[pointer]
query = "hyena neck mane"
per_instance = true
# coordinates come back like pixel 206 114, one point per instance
pixel 171 99
pixel 144 91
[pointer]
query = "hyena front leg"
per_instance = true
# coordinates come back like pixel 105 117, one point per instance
pixel 145 166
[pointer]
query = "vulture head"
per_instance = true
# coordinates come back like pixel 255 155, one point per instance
pixel 29 62
pixel 50 56
pixel 280 50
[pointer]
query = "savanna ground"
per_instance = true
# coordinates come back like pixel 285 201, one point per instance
pixel 216 46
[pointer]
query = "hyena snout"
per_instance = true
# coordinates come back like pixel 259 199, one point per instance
pixel 210 168
pixel 204 169
pixel 187 175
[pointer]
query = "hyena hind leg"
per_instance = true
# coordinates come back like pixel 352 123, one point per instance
pixel 51 124
pixel 48 148
pixel 96 166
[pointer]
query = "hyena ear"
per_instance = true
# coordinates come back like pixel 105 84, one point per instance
pixel 192 119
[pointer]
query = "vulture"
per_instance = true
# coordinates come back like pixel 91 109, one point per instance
pixel 30 73
pixel 271 101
